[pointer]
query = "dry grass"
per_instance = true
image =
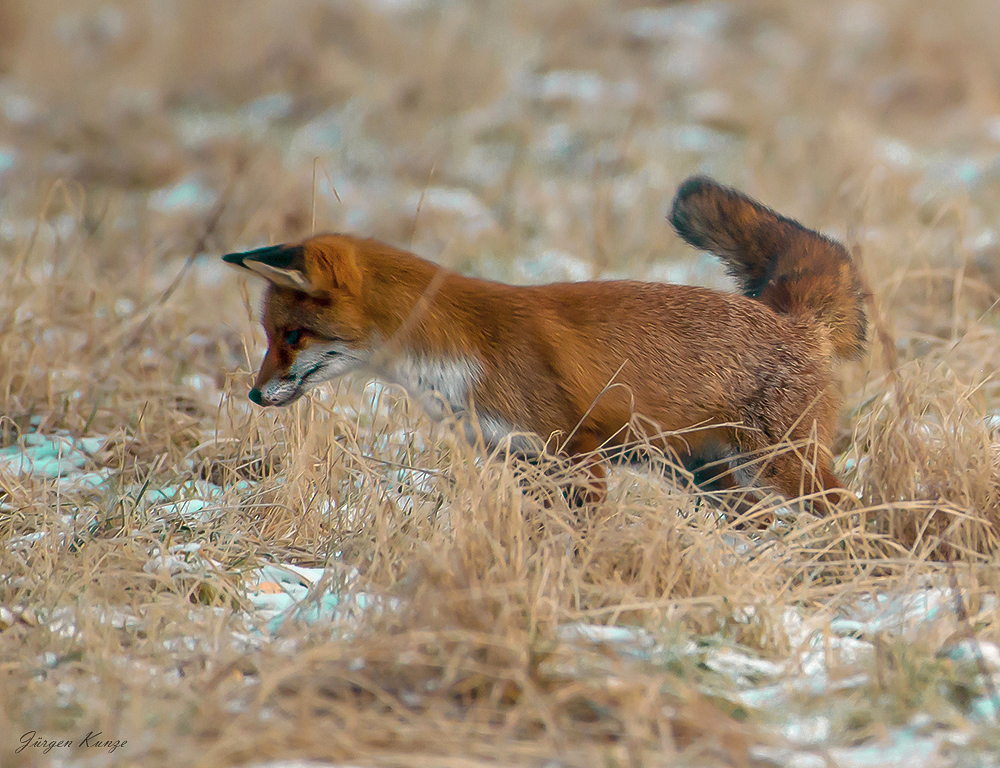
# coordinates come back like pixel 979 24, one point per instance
pixel 878 122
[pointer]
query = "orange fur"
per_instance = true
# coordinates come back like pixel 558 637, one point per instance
pixel 539 359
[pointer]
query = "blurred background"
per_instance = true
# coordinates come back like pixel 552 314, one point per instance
pixel 552 131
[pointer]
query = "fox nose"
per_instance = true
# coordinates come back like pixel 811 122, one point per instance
pixel 255 396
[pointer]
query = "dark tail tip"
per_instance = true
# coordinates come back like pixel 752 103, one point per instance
pixel 683 212
pixel 693 186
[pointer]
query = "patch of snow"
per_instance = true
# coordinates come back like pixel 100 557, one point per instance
pixel 8 159
pixel 584 87
pixel 189 194
pixel 477 218
pixel 264 110
pixel 552 266
pixel 897 153
pixel 18 108
pixel 680 20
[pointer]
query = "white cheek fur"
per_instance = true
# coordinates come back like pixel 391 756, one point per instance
pixel 326 362
pixel 313 365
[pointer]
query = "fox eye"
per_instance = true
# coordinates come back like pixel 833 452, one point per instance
pixel 293 337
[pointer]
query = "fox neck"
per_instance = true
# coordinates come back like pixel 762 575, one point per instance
pixel 416 342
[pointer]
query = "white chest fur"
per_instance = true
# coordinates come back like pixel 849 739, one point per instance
pixel 442 385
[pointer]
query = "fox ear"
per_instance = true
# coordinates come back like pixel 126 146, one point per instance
pixel 318 266
pixel 282 265
pixel 332 264
pixel 288 278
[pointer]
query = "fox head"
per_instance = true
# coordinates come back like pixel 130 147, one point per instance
pixel 316 329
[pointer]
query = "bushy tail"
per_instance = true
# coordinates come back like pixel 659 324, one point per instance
pixel 776 260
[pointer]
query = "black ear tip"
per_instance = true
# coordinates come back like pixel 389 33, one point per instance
pixel 280 256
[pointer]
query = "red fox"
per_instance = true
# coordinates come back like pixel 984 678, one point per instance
pixel 578 363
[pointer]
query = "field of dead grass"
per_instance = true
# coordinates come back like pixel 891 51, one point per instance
pixel 465 622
